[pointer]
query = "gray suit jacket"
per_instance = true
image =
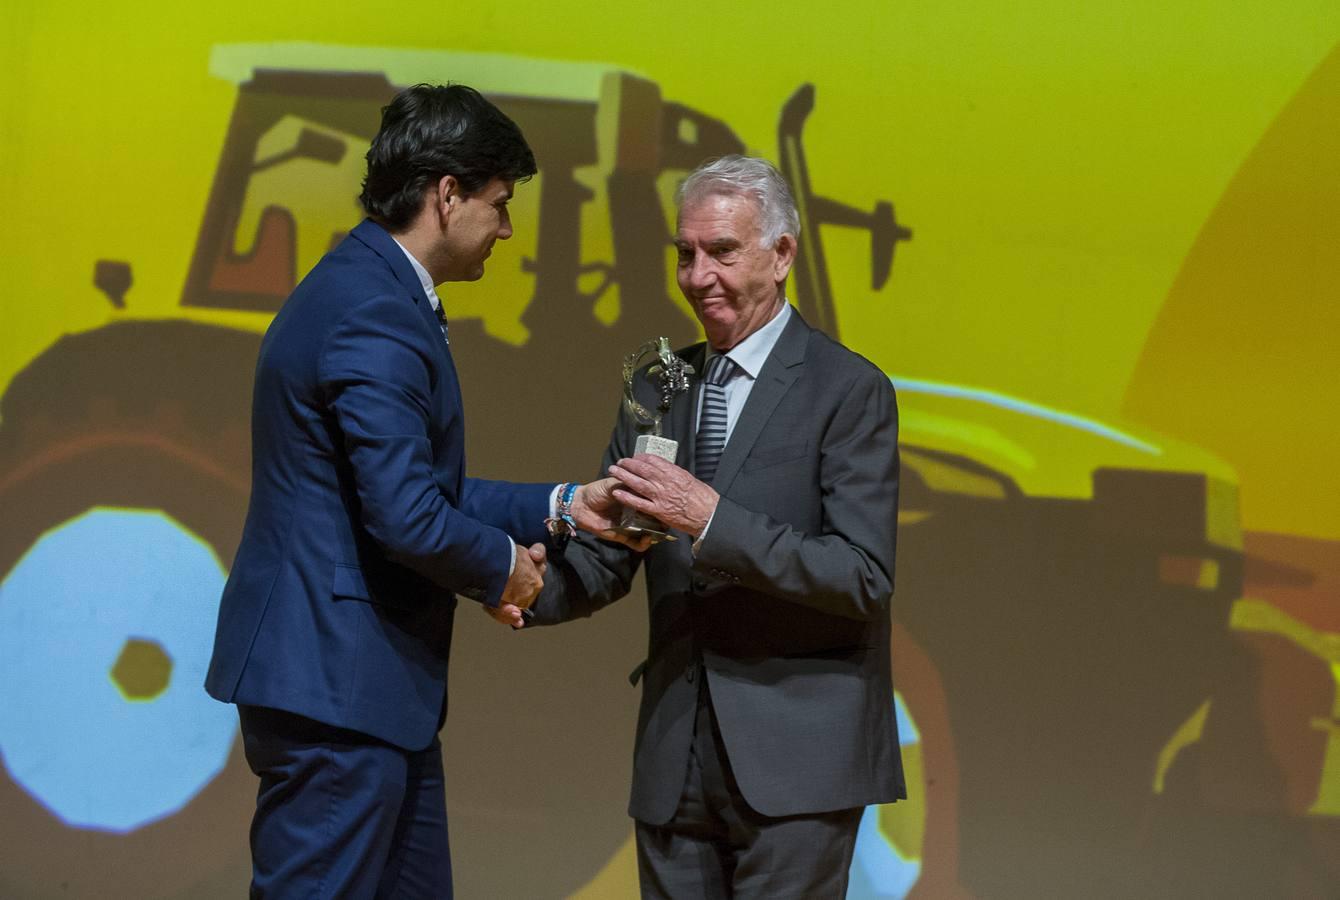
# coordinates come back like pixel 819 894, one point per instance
pixel 786 606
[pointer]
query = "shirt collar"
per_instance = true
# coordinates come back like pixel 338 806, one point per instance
pixel 752 352
pixel 425 280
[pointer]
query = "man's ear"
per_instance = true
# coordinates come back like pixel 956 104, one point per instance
pixel 446 195
pixel 786 256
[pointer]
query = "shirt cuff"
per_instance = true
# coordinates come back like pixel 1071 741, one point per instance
pixel 553 500
pixel 511 556
pixel 698 541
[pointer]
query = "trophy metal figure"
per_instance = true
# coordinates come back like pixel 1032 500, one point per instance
pixel 671 376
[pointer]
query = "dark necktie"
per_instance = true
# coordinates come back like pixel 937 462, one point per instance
pixel 712 421
pixel 441 318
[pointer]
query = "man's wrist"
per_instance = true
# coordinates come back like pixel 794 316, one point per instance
pixel 698 541
pixel 562 527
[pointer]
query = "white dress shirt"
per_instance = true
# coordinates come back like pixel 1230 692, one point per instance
pixel 425 280
pixel 749 356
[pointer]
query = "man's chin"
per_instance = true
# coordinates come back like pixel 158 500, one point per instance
pixel 717 329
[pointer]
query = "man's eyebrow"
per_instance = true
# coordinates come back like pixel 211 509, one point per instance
pixel 722 243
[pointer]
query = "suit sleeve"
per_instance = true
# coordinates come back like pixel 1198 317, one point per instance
pixel 590 574
pixel 846 569
pixel 376 374
pixel 518 509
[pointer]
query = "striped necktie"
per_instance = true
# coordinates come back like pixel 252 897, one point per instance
pixel 712 421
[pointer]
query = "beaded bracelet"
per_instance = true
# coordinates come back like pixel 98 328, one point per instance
pixel 566 493
pixel 562 527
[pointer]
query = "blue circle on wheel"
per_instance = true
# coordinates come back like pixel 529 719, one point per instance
pixel 93 756
pixel 878 870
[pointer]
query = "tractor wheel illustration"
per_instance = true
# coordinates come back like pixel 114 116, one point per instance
pixel 124 473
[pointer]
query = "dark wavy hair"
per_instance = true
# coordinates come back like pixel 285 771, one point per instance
pixel 429 131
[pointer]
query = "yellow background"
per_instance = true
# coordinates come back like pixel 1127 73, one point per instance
pixel 1057 162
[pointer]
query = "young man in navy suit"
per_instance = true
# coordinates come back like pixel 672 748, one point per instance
pixel 335 626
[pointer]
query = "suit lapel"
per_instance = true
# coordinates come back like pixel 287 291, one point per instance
pixel 385 246
pixel 784 365
pixel 380 241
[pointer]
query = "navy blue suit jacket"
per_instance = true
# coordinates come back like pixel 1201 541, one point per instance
pixel 362 525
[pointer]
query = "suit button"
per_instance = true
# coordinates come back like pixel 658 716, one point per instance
pixel 699 584
pixel 690 673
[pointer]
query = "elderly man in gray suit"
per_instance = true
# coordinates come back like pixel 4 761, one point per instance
pixel 767 719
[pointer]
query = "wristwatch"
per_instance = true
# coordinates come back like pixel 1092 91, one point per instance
pixel 561 530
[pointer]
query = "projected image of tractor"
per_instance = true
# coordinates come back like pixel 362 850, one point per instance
pixel 1064 585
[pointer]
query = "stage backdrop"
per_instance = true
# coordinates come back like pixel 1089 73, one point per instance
pixel 1094 246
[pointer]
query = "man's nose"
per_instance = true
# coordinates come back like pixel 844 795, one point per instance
pixel 505 227
pixel 701 271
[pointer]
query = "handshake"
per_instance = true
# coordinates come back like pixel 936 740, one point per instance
pixel 523 585
pixel 646 483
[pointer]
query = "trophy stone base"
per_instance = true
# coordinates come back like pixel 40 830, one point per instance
pixel 638 524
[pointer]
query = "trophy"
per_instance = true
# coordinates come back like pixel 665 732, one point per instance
pixel 671 376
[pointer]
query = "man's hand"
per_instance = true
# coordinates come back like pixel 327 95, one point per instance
pixel 527 578
pixel 596 509
pixel 507 614
pixel 662 489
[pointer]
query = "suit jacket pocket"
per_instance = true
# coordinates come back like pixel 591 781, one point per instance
pixel 775 454
pixel 351 583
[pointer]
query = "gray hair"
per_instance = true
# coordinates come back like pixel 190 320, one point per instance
pixel 751 177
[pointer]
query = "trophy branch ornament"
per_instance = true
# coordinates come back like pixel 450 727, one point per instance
pixel 670 374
